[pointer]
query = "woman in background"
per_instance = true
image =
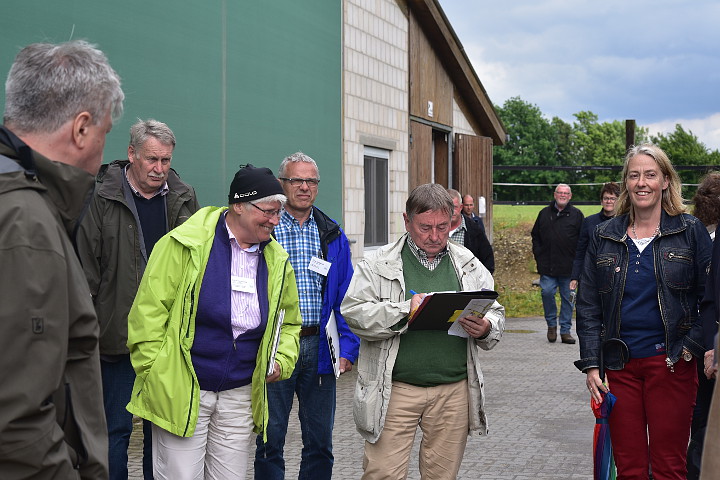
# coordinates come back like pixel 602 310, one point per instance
pixel 608 196
pixel 707 210
pixel 643 277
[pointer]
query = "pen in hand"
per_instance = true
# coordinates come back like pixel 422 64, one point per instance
pixel 413 308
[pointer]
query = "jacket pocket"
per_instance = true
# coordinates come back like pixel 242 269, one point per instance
pixel 677 267
pixel 605 265
pixel 367 404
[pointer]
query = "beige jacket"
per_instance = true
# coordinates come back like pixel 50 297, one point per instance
pixel 375 301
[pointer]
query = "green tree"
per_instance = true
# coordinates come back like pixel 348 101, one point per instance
pixel 684 148
pixel 531 141
pixel 596 144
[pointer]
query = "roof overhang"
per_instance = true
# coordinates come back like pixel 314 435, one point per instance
pixel 450 51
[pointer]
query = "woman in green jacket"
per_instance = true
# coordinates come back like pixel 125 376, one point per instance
pixel 217 295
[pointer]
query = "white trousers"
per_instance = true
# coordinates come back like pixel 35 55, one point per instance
pixel 220 447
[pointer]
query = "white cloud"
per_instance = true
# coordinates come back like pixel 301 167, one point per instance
pixel 648 60
pixel 706 129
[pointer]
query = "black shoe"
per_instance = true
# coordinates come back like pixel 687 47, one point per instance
pixel 567 338
pixel 552 334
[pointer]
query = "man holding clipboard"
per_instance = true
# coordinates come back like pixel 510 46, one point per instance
pixel 409 377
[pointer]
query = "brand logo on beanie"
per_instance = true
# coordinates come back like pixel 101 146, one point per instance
pixel 239 195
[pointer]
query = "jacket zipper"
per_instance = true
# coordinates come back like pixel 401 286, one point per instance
pixel 668 362
pixel 622 289
pixel 187 335
pixel 675 255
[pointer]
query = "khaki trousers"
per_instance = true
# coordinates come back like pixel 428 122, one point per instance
pixel 442 414
pixel 220 446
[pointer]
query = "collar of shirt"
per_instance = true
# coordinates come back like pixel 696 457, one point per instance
pixel 461 227
pixel 422 256
pixel 252 249
pixel 291 222
pixel 160 191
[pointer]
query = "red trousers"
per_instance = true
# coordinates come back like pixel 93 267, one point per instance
pixel 650 423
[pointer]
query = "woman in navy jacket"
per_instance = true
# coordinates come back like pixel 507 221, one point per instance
pixel 643 276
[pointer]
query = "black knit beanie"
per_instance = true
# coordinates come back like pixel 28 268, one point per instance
pixel 251 183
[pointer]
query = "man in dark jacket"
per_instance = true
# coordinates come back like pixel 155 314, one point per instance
pixel 554 238
pixel 320 255
pixel 60 103
pixel 136 202
pixel 468 210
pixel 469 234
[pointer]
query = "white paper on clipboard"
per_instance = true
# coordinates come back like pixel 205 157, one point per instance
pixel 477 307
pixel 333 339
pixel 275 343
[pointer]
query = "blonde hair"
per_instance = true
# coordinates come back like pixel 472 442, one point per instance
pixel 672 201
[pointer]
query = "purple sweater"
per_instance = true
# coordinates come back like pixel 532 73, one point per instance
pixel 222 362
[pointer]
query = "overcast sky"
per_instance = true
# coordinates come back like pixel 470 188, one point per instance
pixel 657 62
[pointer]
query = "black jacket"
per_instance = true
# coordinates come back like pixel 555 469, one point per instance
pixel 477 242
pixel 554 239
pixel 711 300
pixel 681 257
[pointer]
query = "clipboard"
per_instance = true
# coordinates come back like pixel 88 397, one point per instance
pixel 438 311
pixel 333 340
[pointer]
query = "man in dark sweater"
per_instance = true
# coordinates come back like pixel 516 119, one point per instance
pixel 554 239
pixel 136 202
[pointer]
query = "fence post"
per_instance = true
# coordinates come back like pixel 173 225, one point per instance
pixel 629 134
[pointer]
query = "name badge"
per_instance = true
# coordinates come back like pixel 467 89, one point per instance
pixel 318 265
pixel 242 284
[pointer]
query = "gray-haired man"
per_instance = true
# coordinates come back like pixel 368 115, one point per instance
pixel 60 103
pixel 136 202
pixel 408 375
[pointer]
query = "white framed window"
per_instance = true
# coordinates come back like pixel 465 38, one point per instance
pixel 376 196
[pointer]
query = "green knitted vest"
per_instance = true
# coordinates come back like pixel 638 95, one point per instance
pixel 428 358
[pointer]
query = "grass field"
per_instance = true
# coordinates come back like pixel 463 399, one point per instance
pixel 509 216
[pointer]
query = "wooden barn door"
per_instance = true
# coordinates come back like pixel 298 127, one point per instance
pixel 473 169
pixel 421 145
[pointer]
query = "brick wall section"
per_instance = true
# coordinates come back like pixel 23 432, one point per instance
pixel 375 103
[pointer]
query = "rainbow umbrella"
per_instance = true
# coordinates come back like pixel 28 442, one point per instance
pixel 604 464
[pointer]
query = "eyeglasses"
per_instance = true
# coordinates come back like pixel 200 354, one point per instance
pixel 609 199
pixel 564 194
pixel 296 182
pixel 269 213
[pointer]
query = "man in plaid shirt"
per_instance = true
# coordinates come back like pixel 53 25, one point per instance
pixel 320 255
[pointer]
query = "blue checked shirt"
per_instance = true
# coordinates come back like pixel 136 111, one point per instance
pixel 303 243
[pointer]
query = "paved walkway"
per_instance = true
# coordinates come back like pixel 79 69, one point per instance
pixel 538 409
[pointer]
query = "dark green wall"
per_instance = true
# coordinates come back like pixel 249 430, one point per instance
pixel 237 81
